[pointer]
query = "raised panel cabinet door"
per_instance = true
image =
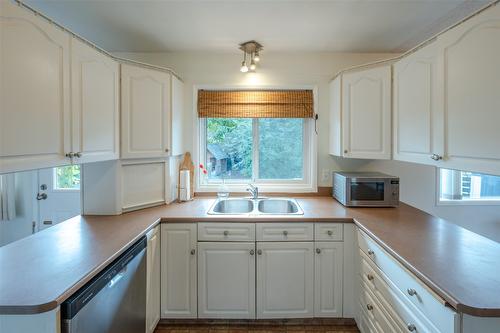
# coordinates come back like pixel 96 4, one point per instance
pixel 34 91
pixel 335 141
pixel 177 116
pixel 328 273
pixel 178 270
pixel 366 113
pixel 469 65
pixel 418 118
pixel 153 280
pixel 226 280
pixel 95 79
pixel 285 280
pixel 145 128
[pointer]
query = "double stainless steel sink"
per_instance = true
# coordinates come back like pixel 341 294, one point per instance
pixel 259 206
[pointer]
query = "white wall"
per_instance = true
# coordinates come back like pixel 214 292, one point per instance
pixel 276 69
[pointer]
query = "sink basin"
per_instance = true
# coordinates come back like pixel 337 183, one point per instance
pixel 232 206
pixel 260 206
pixel 279 206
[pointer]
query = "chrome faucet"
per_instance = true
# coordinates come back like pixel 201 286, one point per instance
pixel 254 190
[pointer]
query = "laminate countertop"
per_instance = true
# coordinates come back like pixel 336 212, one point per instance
pixel 41 271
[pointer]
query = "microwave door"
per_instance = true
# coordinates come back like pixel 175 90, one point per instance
pixel 367 192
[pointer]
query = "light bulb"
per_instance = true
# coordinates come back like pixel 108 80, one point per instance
pixel 253 66
pixel 244 67
pixel 256 57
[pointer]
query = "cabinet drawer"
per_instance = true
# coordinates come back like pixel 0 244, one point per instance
pixel 375 313
pixel 285 232
pixel 431 305
pixel 226 232
pixel 328 231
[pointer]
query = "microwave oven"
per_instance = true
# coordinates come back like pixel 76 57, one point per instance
pixel 366 189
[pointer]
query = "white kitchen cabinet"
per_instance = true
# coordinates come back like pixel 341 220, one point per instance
pixel 418 117
pixel 152 102
pixel 285 280
pixel 34 91
pixel 469 69
pixel 360 114
pixel 153 279
pixel 226 280
pixel 178 270
pixel 328 264
pixel 95 81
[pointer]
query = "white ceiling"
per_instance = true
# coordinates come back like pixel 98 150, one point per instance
pixel 280 25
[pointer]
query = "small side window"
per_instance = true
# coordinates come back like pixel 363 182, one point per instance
pixel 468 187
pixel 67 177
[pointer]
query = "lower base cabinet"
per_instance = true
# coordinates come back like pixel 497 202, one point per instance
pixel 153 284
pixel 285 280
pixel 328 264
pixel 226 280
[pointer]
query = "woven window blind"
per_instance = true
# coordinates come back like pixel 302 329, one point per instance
pixel 255 104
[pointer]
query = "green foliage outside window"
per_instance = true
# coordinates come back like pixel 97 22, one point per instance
pixel 67 177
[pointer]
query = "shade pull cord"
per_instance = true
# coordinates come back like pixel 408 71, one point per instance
pixel 316 123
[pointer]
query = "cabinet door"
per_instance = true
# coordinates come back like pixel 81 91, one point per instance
pixel 469 63
pixel 366 113
pixel 328 279
pixel 177 116
pixel 34 91
pixel 335 141
pixel 226 280
pixel 418 118
pixel 94 104
pixel 285 280
pixel 145 112
pixel 178 270
pixel 153 280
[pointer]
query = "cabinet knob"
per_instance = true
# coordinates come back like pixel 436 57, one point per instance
pixel 329 232
pixel 70 154
pixel 318 250
pixel 369 277
pixel 411 327
pixel 252 252
pixel 285 233
pixel 436 157
pixel 370 252
pixel 346 151
pixel 193 251
pixel 78 154
pixel 226 232
pixel 259 252
pixel 411 292
pixel 369 307
pixel 167 150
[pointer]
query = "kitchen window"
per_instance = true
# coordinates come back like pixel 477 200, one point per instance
pixel 67 178
pixel 277 154
pixel 456 186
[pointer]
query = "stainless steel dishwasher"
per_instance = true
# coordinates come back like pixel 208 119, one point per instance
pixel 112 302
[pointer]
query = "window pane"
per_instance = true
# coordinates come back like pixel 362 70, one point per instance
pixel 464 185
pixel 67 177
pixel 229 148
pixel 281 148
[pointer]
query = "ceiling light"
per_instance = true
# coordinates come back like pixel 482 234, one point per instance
pixel 252 48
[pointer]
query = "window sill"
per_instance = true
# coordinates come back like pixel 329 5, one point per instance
pixel 479 202
pixel 263 188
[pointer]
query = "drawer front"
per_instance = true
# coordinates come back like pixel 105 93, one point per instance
pixel 269 232
pixel 226 232
pixel 328 231
pixel 431 305
pixel 376 314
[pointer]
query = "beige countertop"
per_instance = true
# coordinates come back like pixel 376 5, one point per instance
pixel 41 271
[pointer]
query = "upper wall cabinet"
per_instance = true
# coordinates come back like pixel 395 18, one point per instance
pixel 34 91
pixel 147 115
pixel 418 135
pixel 469 65
pixel 95 81
pixel 360 115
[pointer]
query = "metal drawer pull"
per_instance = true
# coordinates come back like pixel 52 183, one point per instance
pixel 369 307
pixel 411 292
pixel 259 252
pixel 226 232
pixel 411 328
pixel 329 232
pixel 78 154
pixel 370 252
pixel 318 250
pixel 252 252
pixel 285 233
pixel 436 157
pixel 193 251
pixel 369 277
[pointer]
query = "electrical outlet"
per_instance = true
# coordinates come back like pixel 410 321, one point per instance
pixel 325 175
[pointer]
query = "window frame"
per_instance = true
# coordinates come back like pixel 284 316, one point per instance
pixel 460 202
pixel 306 185
pixel 54 180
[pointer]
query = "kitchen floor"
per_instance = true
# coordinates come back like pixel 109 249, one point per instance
pixel 261 326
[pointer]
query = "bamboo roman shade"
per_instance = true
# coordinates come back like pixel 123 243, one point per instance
pixel 255 104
